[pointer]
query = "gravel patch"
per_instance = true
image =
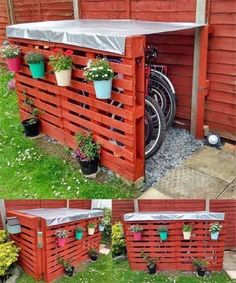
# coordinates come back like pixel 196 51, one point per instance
pixel 178 145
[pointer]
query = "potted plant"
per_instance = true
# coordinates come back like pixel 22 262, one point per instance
pixel 163 232
pixel 61 62
pixel 91 228
pixel 151 263
pixel 101 225
pixel 87 153
pixel 31 125
pixel 79 232
pixel 201 265
pixel 99 71
pixel 187 230
pixel 12 55
pixel 68 268
pixel 93 254
pixel 215 230
pixel 61 236
pixel 137 230
pixel 36 64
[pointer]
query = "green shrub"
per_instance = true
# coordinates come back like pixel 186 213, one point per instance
pixel 34 58
pixel 106 234
pixel 8 255
pixel 3 236
pixel 118 241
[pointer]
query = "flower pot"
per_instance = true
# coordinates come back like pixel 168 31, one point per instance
pixel 101 227
pixel 93 257
pixel 31 127
pixel 215 235
pixel 89 167
pixel 163 235
pixel 37 70
pixel 63 77
pixel 187 235
pixel 103 89
pixel 91 231
pixel 152 269
pixel 61 242
pixel 14 64
pixel 201 271
pixel 69 271
pixel 78 235
pixel 138 236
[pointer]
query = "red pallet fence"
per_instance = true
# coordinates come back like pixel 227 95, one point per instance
pixel 41 263
pixel 68 111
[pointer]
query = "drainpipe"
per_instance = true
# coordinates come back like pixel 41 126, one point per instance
pixel 10 11
pixel 76 9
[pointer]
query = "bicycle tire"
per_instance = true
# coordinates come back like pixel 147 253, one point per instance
pixel 148 126
pixel 159 124
pixel 158 81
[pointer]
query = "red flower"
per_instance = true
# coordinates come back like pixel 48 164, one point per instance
pixel 69 52
pixel 56 50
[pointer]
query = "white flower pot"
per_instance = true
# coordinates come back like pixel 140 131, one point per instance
pixel 63 77
pixel 187 235
pixel 91 231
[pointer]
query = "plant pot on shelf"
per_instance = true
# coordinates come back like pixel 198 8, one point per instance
pixel 69 271
pixel 14 64
pixel 103 89
pixel 152 269
pixel 63 77
pixel 201 271
pixel 89 167
pixel 138 236
pixel 61 242
pixel 163 235
pixel 78 235
pixel 215 235
pixel 37 70
pixel 101 227
pixel 186 235
pixel 31 127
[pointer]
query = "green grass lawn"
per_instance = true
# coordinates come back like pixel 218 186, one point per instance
pixel 27 171
pixel 105 271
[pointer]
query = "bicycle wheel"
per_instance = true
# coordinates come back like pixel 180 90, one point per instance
pixel 159 126
pixel 161 84
pixel 148 126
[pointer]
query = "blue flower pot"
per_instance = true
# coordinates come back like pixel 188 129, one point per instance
pixel 163 235
pixel 78 235
pixel 103 89
pixel 37 70
pixel 215 235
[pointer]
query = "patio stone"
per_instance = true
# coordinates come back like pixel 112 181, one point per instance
pixel 185 182
pixel 152 193
pixel 216 163
pixel 230 263
pixel 230 191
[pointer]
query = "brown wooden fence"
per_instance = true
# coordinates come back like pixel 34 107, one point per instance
pixel 41 262
pixel 175 253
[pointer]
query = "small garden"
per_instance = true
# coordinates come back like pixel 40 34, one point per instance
pixel 40 168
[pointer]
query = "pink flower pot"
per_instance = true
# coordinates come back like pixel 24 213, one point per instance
pixel 14 64
pixel 61 242
pixel 138 236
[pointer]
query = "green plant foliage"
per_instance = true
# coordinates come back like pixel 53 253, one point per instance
pixel 151 261
pixel 34 58
pixel 3 236
pixel 215 227
pixel 98 70
pixel 7 82
pixel 106 221
pixel 163 229
pixel 9 51
pixel 61 60
pixel 8 255
pixel 87 149
pixel 187 228
pixel 135 228
pixel 118 241
pixel 200 262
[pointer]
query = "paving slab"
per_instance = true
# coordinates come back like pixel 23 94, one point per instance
pixel 216 163
pixel 230 263
pixel 230 191
pixel 153 193
pixel 185 182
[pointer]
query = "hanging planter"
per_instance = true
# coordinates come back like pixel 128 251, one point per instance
pixel 93 254
pixel 163 232
pixel 91 228
pixel 187 230
pixel 36 64
pixel 100 72
pixel 12 55
pixel 61 63
pixel 137 231
pixel 87 154
pixel 79 232
pixel 201 265
pixel 101 227
pixel 215 230
pixel 61 237
pixel 151 263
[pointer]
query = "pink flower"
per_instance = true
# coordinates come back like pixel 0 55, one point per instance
pixel 69 52
pixel 56 50
pixel 11 84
